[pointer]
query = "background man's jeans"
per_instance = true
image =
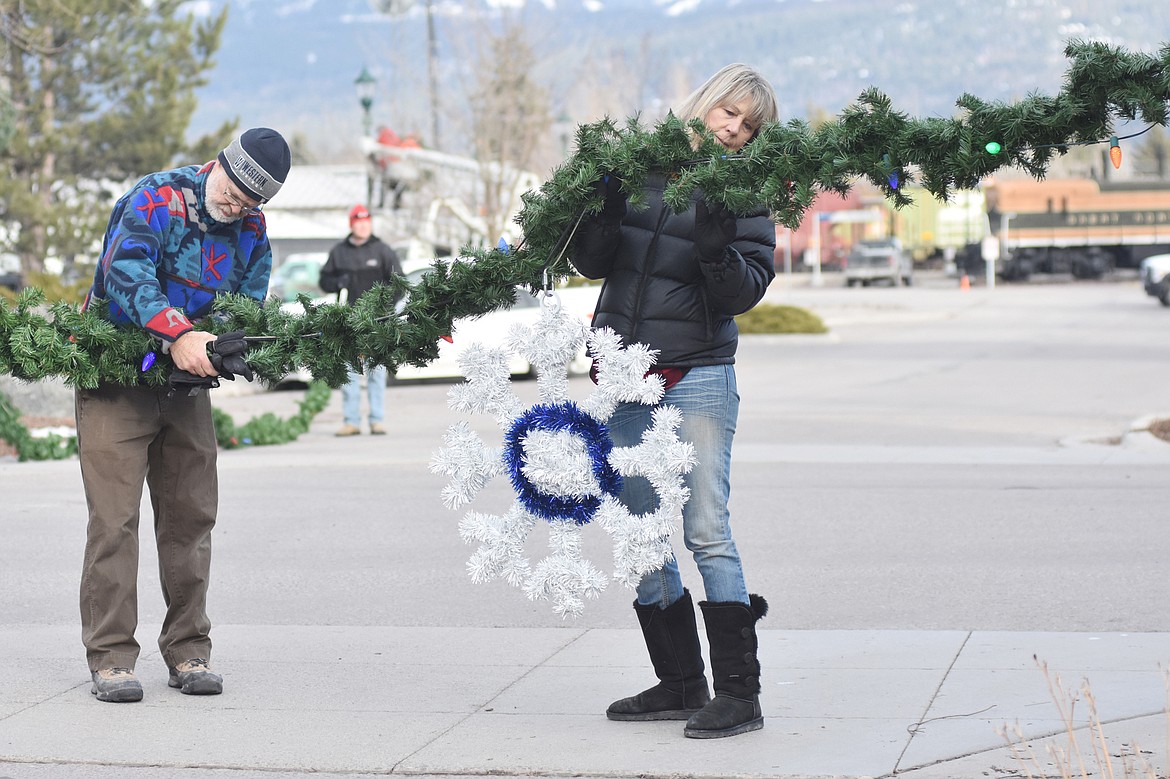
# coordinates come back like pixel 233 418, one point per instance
pixel 709 401
pixel 351 395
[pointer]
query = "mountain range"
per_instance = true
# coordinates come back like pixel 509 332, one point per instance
pixel 291 64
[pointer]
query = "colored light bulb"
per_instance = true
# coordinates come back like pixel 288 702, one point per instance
pixel 891 179
pixel 1115 152
pixel 993 147
pixel 148 361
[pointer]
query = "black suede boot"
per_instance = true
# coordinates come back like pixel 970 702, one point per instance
pixel 735 669
pixel 672 638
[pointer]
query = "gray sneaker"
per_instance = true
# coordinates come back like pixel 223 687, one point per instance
pixel 116 685
pixel 194 677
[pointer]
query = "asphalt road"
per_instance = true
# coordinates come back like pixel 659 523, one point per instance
pixel 946 487
pixel 943 460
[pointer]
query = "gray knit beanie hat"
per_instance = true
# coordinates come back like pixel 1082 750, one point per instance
pixel 257 161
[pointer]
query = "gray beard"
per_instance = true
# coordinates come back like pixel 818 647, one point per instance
pixel 220 214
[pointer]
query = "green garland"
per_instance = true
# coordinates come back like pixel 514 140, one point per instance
pixel 784 169
pixel 268 429
pixel 264 430
pixel 28 446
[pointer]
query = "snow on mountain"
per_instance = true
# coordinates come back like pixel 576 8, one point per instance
pixel 291 64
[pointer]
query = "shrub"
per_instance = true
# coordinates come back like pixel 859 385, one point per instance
pixel 770 318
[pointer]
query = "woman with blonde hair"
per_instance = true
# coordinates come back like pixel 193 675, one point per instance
pixel 675 282
pixel 734 85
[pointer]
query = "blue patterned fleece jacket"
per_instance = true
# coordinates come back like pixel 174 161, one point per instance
pixel 164 259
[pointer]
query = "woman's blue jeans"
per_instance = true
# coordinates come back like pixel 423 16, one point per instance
pixel 709 401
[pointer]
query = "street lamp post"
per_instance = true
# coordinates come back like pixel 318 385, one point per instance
pixel 365 84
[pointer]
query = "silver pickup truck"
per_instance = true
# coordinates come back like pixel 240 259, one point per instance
pixel 882 260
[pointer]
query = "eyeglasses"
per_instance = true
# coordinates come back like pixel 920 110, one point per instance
pixel 237 205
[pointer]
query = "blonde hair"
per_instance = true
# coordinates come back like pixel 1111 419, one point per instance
pixel 731 84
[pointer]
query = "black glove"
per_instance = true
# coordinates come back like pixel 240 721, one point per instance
pixel 227 355
pixel 714 231
pixel 188 383
pixel 613 208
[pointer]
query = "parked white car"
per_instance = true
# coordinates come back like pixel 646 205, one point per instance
pixel 490 329
pixel 1155 272
pixel 10 272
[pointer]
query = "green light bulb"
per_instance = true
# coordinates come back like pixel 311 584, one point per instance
pixel 993 147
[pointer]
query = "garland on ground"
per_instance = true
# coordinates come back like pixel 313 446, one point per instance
pixel 784 169
pixel 268 429
pixel 28 446
pixel 264 430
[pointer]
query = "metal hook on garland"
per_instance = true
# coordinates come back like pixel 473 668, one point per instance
pixel 548 294
pixel 559 249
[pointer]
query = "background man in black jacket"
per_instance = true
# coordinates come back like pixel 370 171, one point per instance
pixel 354 266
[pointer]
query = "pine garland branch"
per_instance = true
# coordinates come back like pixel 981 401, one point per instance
pixel 783 169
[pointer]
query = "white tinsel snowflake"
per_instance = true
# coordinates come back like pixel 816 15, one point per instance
pixel 562 464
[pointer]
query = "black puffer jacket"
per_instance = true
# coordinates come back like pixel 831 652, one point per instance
pixel 659 293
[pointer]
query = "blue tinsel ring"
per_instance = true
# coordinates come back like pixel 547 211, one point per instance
pixel 554 417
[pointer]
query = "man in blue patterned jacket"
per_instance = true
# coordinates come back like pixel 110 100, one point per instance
pixel 174 241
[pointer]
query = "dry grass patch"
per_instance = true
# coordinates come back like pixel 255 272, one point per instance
pixel 1161 429
pixel 1088 754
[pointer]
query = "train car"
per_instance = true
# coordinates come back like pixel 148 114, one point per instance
pixel 931 230
pixel 1078 226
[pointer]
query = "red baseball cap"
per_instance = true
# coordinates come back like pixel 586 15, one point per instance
pixel 358 212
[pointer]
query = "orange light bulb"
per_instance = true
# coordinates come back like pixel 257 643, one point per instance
pixel 1115 152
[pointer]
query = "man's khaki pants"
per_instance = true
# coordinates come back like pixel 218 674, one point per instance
pixel 128 435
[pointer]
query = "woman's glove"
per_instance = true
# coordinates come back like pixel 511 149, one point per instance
pixel 714 231
pixel 613 208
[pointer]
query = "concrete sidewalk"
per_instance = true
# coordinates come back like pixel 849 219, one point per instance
pixel 369 701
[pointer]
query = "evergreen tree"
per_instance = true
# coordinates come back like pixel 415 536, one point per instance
pixel 100 92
